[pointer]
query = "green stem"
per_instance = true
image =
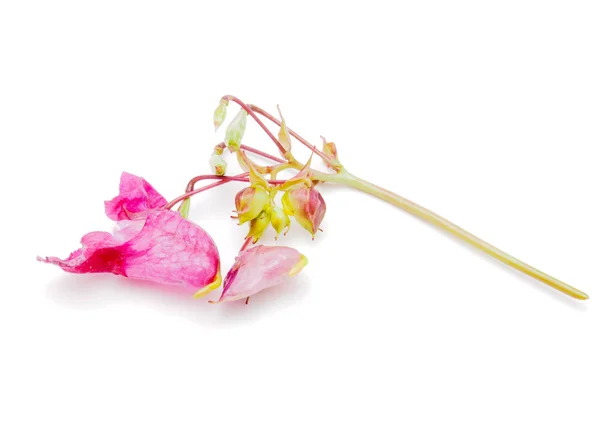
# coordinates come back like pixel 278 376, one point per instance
pixel 427 215
pixel 281 167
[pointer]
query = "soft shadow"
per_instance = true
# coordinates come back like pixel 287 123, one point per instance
pixel 87 292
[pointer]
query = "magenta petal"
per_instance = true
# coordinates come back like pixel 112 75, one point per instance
pixel 168 249
pixel 135 200
pixel 259 268
pixel 99 253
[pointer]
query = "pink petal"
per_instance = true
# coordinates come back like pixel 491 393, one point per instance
pixel 136 198
pixel 259 268
pixel 167 249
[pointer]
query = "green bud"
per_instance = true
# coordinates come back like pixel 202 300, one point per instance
pixel 279 220
pixel 250 202
pixel 220 113
pixel 217 164
pixel 259 224
pixel 219 148
pixel 184 208
pixel 235 131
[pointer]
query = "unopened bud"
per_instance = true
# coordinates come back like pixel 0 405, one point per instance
pixel 259 224
pixel 250 202
pixel 306 205
pixel 219 148
pixel 220 113
pixel 279 220
pixel 217 164
pixel 235 131
pixel 184 208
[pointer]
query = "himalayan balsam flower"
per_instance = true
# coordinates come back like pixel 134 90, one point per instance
pixel 156 244
pixel 166 249
pixel 135 200
pixel 259 268
pixel 161 246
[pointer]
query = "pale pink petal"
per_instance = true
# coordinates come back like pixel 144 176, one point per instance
pixel 135 200
pixel 259 268
pixel 167 249
pixel 125 230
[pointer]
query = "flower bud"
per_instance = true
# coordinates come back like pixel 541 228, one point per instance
pixel 250 202
pixel 306 205
pixel 279 220
pixel 259 224
pixel 220 113
pixel 235 131
pixel 219 148
pixel 217 164
pixel 184 208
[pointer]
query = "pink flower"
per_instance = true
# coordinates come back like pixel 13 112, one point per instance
pixel 165 248
pixel 135 200
pixel 259 268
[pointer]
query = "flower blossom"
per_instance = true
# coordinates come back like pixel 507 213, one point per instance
pixel 258 268
pixel 135 200
pixel 160 246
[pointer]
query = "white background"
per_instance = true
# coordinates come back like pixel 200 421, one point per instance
pixel 486 112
